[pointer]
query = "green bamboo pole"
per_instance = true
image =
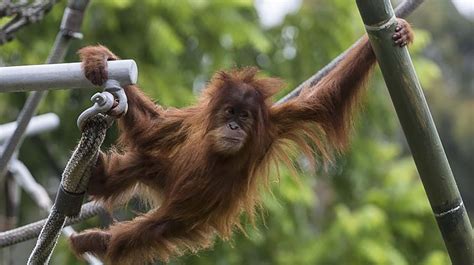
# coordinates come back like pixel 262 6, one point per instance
pixel 420 131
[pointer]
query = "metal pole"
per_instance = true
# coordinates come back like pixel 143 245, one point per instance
pixel 61 76
pixel 39 124
pixel 12 202
pixel 69 30
pixel 420 131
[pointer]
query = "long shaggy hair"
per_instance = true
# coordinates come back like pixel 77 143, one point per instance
pixel 169 155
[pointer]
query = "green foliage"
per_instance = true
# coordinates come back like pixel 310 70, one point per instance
pixel 367 208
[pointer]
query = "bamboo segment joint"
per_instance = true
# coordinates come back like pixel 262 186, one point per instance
pixel 382 25
pixel 450 211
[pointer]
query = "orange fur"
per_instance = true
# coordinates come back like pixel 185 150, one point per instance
pixel 203 193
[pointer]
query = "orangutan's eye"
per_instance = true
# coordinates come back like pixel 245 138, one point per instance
pixel 230 111
pixel 244 115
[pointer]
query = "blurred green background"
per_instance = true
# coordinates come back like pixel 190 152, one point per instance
pixel 368 207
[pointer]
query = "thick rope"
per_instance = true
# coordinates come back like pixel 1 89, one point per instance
pixel 30 231
pixel 74 181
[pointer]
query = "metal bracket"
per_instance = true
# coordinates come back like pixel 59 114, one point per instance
pixel 71 23
pixel 105 103
pixel 68 203
pixel 113 87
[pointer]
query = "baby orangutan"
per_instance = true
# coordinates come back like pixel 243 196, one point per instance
pixel 205 164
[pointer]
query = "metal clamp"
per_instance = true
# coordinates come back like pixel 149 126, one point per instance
pixel 71 23
pixel 104 103
pixel 68 203
pixel 113 87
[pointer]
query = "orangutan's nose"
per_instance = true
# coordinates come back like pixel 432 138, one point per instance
pixel 233 125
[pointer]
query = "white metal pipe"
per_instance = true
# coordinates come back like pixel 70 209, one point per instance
pixel 24 178
pixel 61 76
pixel 39 124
